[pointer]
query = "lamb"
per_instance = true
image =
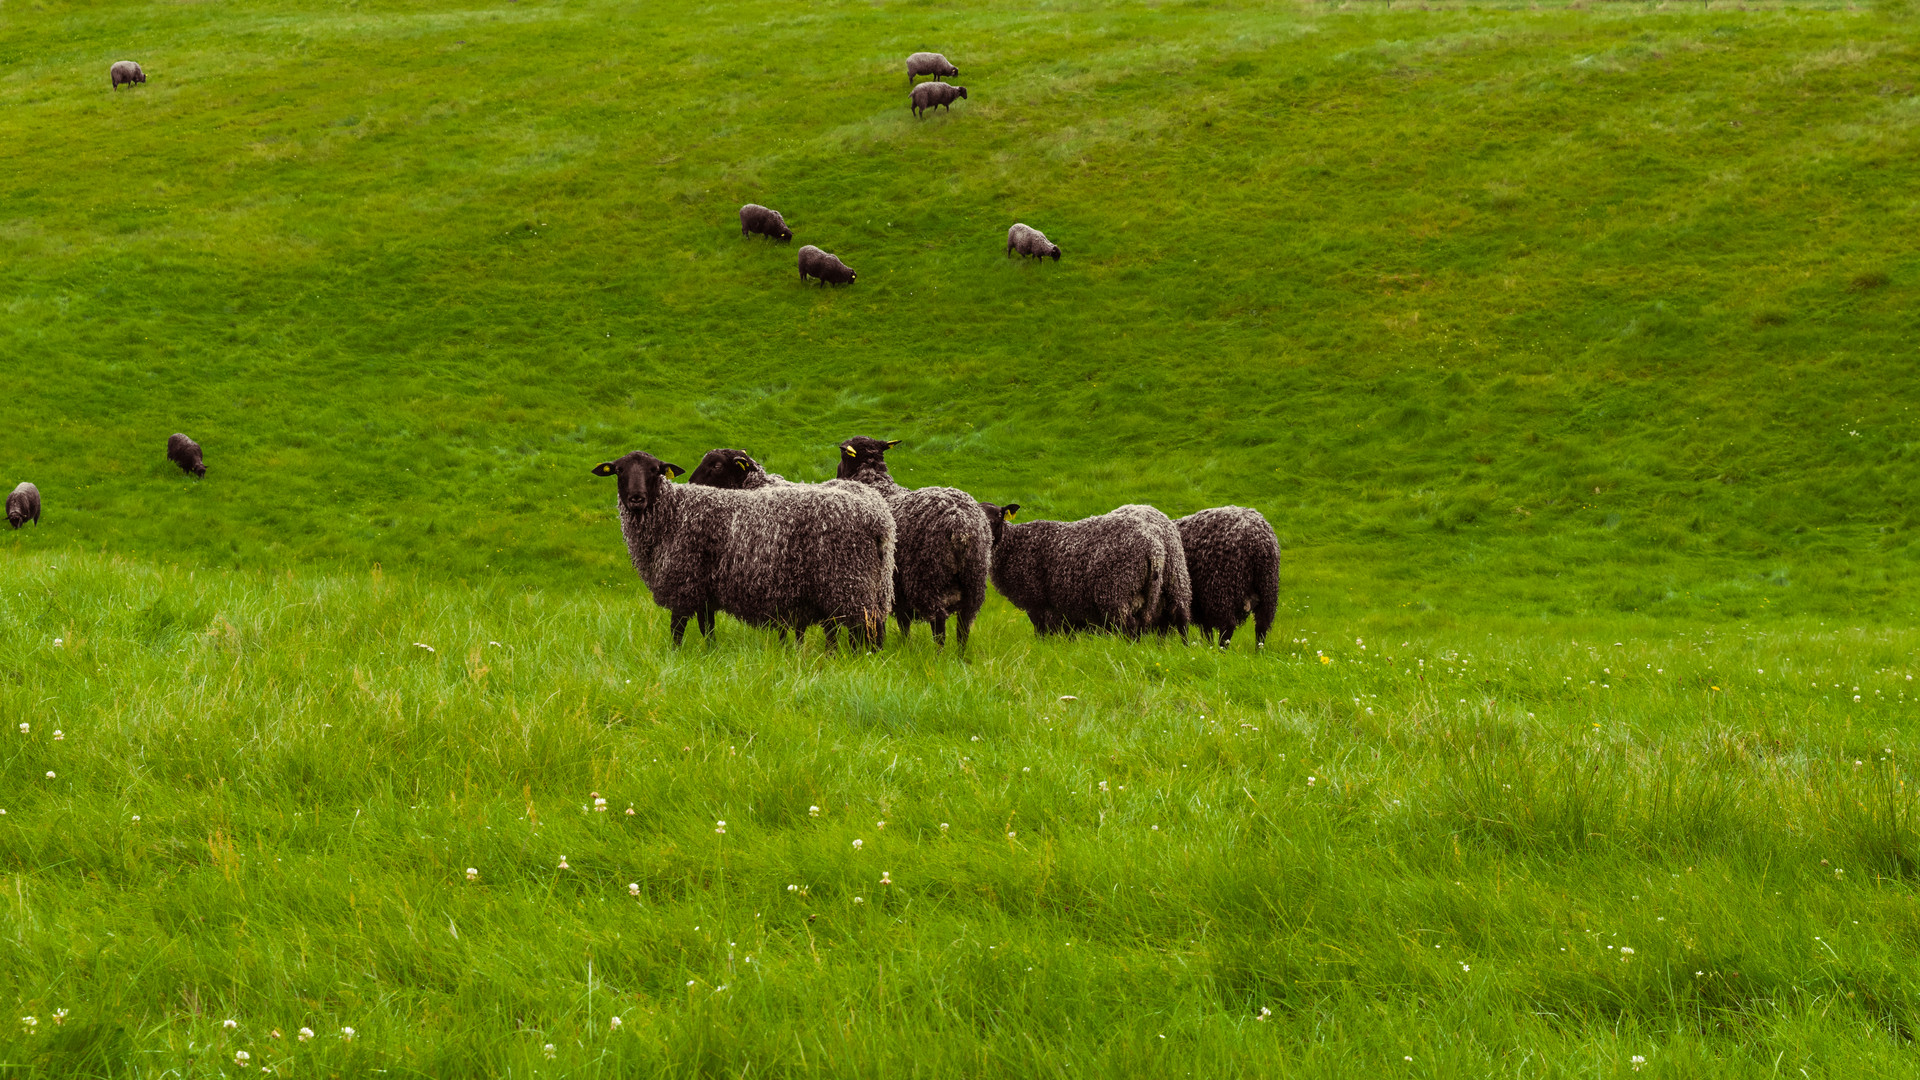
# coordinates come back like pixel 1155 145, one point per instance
pixel 755 218
pixel 932 95
pixel 732 469
pixel 126 71
pixel 185 453
pixel 946 544
pixel 1107 572
pixel 23 505
pixel 1234 559
pixel 1028 240
pixel 929 63
pixel 785 555
pixel 828 268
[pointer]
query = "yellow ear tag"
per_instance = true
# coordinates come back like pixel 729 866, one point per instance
pixel 847 450
pixel 1010 515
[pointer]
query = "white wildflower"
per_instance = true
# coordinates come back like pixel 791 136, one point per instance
pixel 241 1057
pixel 305 1034
pixel 473 873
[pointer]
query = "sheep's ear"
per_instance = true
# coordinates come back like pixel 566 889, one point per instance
pixel 1007 511
pixel 894 443
pixel 670 470
pixel 605 468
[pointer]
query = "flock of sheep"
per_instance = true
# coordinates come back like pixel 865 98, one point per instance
pixel 827 267
pixel 857 548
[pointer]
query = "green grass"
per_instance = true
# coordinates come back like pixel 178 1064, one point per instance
pixel 1488 309
pixel 1567 349
pixel 1435 846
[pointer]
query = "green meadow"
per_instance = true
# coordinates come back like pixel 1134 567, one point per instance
pixel 1569 350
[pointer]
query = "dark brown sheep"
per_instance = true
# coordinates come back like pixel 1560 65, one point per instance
pixel 733 470
pixel 1100 573
pixel 828 268
pixel 755 218
pixel 933 95
pixel 945 544
pixel 1028 240
pixel 787 555
pixel 185 453
pixel 998 516
pixel 1233 557
pixel 1175 610
pixel 23 505
pixel 125 71
pixel 929 63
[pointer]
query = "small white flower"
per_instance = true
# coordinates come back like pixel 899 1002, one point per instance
pixel 305 1034
pixel 633 888
pixel 58 642
pixel 563 863
pixel 976 738
pixel 548 1051
pixel 31 1022
pixel 241 1057
pixel 1625 951
pixel 1408 1057
pixel 1010 834
pixel 943 826
pixel 58 735
pixel 858 844
pixel 879 824
pixel 793 888
pixel 599 806
pixel 49 774
pixel 346 1033
pixel 813 811
pixel 1638 1061
pixel 1310 781
pixel 1856 697
pixel 629 809
pixel 1068 697
pixel 858 900
pixel 1103 785
pixel 229 1024
pixel 1464 967
pixel 614 1024
pixel 136 817
pixel 1264 1013
pixel 473 873
pixel 275 1034
pixel 720 827
pixel 59 1016
pixel 423 645
pixel 886 877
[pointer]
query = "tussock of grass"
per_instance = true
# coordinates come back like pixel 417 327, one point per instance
pixel 1090 845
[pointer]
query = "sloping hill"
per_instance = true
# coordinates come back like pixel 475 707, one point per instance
pixel 1538 310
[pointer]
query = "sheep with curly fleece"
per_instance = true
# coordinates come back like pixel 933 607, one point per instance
pixel 23 505
pixel 785 555
pixel 825 266
pixel 946 544
pixel 734 470
pixel 1233 557
pixel 930 63
pixel 1028 240
pixel 934 95
pixel 755 218
pixel 127 72
pixel 185 453
pixel 1175 609
pixel 1099 573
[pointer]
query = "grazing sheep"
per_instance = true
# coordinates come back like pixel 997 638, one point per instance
pixel 785 555
pixel 23 505
pixel 755 218
pixel 929 63
pixel 932 95
pixel 1234 560
pixel 734 470
pixel 997 517
pixel 125 71
pixel 185 453
pixel 945 546
pixel 1105 572
pixel 1028 240
pixel 828 268
pixel 1175 609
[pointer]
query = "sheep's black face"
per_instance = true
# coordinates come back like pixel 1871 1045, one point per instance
pixel 963 91
pixel 861 453
pixel 200 469
pixel 723 469
pixel 640 476
pixel 785 234
pixel 15 517
pixel 997 518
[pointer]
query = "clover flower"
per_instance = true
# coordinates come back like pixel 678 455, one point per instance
pixel 563 863
pixel 720 827
pixel 1264 1013
pixel 859 900
pixel 49 774
pixel 31 1022
pixel 229 1023
pixel 346 1033
pixel 858 844
pixel 241 1057
pixel 886 877
pixel 1638 1060
pixel 629 809
pixel 59 735
pixel 59 1016
pixel 473 873
pixel 943 826
pixel 599 805
pixel 548 1051
pixel 306 1033
pixel 813 811
pixel 613 1024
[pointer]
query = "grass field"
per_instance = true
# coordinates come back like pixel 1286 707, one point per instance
pixel 1567 349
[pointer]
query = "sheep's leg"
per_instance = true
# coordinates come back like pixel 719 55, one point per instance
pixel 906 624
pixel 939 622
pixel 706 623
pixel 680 626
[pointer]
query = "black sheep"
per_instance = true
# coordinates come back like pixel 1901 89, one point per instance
pixel 185 453
pixel 23 505
pixel 1233 557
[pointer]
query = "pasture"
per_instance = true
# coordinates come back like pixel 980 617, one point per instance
pixel 1564 347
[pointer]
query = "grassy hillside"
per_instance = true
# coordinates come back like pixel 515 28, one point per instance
pixel 1486 853
pixel 1536 310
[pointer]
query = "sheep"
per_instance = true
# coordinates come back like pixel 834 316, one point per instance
pixel 1106 572
pixel 945 546
pixel 997 518
pixel 185 453
pixel 785 555
pixel 23 505
pixel 732 469
pixel 1174 612
pixel 929 63
pixel 1028 240
pixel 933 95
pixel 755 218
pixel 126 71
pixel 828 268
pixel 1233 557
